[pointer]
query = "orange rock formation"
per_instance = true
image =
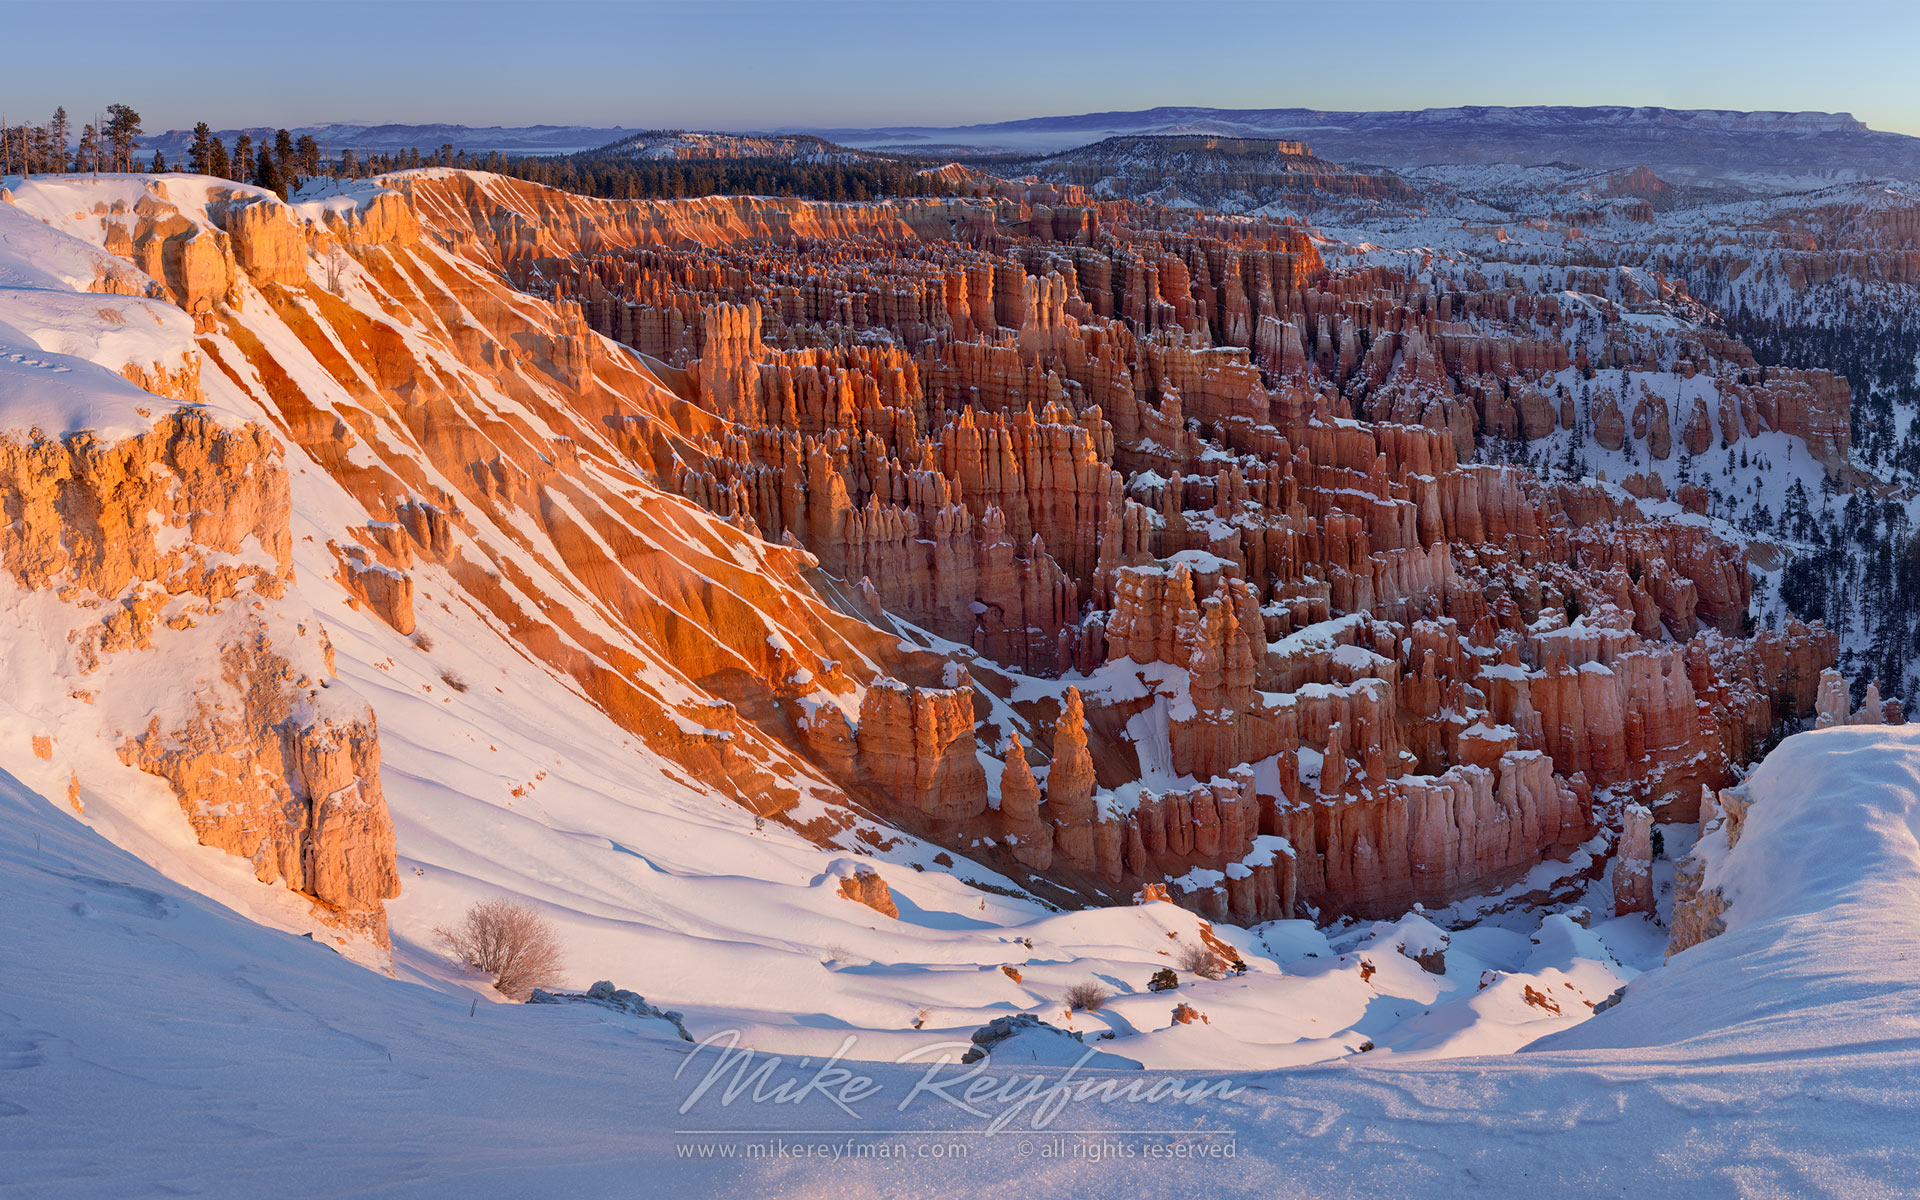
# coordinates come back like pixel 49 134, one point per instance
pixel 1172 506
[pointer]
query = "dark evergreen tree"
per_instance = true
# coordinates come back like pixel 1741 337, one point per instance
pixel 87 156
pixel 267 174
pixel 121 133
pixel 200 151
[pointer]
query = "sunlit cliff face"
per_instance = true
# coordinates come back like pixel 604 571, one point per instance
pixel 1112 546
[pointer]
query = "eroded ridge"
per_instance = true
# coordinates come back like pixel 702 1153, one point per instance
pixel 1111 545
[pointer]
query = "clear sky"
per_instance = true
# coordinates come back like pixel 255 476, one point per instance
pixel 888 62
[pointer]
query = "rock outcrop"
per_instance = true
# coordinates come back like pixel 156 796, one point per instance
pixel 873 502
pixel 1027 1040
pixel 180 536
pixel 1699 911
pixel 1070 783
pixel 917 745
pixel 1633 863
pixel 604 995
pixel 863 885
pixel 1028 834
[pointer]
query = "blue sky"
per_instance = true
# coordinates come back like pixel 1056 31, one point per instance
pixel 764 65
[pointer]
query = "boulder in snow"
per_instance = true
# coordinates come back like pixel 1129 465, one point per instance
pixel 1025 1040
pixel 604 995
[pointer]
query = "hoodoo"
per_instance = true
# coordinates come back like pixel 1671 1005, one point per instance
pixel 865 500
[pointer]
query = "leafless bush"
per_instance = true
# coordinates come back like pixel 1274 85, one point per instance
pixel 423 641
pixel 1085 997
pixel 453 681
pixel 1198 960
pixel 510 942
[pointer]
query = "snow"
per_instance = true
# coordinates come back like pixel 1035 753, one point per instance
pixel 174 1032
pixel 324 195
pixel 519 786
pixel 62 347
pixel 1050 1046
pixel 168 1043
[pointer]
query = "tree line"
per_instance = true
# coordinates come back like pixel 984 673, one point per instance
pixel 279 165
pixel 1860 571
pixel 668 179
pixel 113 143
pixel 609 174
pixel 106 144
pixel 284 162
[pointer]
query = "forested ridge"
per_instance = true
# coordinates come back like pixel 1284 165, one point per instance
pixel 283 163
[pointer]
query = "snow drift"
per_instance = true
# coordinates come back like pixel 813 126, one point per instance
pixel 166 1042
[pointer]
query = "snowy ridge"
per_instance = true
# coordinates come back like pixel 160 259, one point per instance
pixel 1795 1034
pixel 66 336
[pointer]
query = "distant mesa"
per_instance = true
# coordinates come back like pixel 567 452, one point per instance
pixel 1695 145
pixel 680 145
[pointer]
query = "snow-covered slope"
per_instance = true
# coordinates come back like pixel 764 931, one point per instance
pixel 507 774
pixel 1822 937
pixel 154 1041
pixel 169 1029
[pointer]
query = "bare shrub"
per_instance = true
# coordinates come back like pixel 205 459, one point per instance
pixel 1085 997
pixel 423 641
pixel 509 941
pixel 453 681
pixel 1198 960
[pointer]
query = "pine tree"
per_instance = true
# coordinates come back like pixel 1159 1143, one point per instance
pixel 87 157
pixel 241 161
pixel 200 153
pixel 268 174
pixel 122 132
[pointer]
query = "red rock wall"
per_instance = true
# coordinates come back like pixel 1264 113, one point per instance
pixel 1141 449
pixel 1094 443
